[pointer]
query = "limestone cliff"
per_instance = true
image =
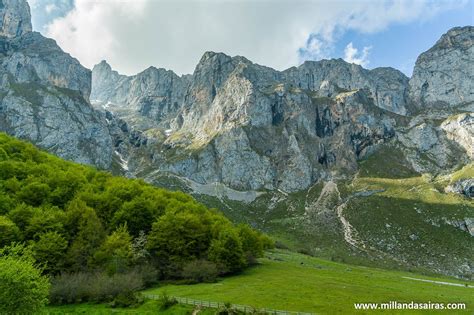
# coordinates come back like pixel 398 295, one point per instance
pixel 444 75
pixel 44 93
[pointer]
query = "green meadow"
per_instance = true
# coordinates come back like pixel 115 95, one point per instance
pixel 289 281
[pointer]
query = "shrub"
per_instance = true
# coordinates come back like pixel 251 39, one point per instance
pixel 23 290
pixel 127 299
pixel 165 302
pixel 96 287
pixel 198 271
pixel 280 245
pixel 227 309
pixel 148 274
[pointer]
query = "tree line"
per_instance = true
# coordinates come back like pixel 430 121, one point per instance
pixel 72 220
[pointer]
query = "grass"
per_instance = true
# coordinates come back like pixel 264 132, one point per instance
pixel 288 281
pixel 464 173
pixel 387 162
pixel 149 307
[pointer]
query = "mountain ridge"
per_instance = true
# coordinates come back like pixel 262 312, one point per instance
pixel 299 153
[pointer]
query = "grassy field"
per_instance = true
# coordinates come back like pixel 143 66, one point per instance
pixel 149 307
pixel 289 281
pixel 295 282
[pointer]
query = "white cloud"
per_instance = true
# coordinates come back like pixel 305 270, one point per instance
pixel 352 55
pixel 134 34
pixel 50 8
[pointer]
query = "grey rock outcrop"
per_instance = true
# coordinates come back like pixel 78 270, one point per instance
pixel 388 87
pixel 464 187
pixel 444 75
pixel 44 94
pixel 152 97
pixel 15 18
pixel 460 129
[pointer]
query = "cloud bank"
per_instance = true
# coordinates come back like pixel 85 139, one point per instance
pixel 134 34
pixel 353 55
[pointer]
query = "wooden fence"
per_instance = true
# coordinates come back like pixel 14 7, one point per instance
pixel 244 308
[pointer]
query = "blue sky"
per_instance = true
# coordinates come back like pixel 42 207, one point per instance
pixel 399 45
pixel 133 35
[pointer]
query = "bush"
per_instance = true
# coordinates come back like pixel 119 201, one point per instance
pixel 95 287
pixel 148 273
pixel 165 302
pixel 127 299
pixel 305 251
pixel 280 245
pixel 198 271
pixel 23 290
pixel 227 309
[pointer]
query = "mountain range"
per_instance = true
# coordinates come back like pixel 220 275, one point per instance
pixel 330 158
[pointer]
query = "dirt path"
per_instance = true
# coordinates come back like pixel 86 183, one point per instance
pixel 441 282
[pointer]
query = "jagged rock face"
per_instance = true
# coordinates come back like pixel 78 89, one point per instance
pixel 44 96
pixel 444 74
pixel 156 94
pixel 251 127
pixel 279 138
pixel 460 129
pixel 34 57
pixel 387 86
pixel 15 18
pixel 436 142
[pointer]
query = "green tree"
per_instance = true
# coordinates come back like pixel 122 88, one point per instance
pixel 226 251
pixel 6 203
pixel 50 251
pixel 3 155
pixel 252 243
pixel 9 232
pixel 23 290
pixel 138 214
pixel 34 193
pixel 181 236
pixel 45 219
pixel 89 237
pixel 22 215
pixel 116 251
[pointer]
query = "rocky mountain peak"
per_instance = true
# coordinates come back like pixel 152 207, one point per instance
pixel 443 74
pixel 456 38
pixel 103 66
pixel 15 18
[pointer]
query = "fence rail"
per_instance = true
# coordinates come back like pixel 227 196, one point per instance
pixel 210 304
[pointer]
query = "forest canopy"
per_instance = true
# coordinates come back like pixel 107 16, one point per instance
pixel 75 218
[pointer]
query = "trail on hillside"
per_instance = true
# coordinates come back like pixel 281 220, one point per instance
pixel 441 282
pixel 330 200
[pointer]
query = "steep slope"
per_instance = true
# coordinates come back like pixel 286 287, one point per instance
pixel 44 93
pixel 152 97
pixel 251 127
pixel 15 18
pixel 444 74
